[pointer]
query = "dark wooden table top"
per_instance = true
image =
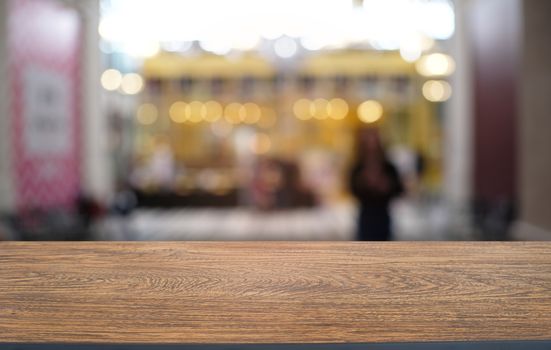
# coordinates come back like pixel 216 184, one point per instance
pixel 266 292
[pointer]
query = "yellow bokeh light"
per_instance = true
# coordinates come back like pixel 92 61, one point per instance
pixel 177 112
pixel 338 108
pixel 195 112
pixel 111 79
pixel 251 111
pixel 320 108
pixel 232 113
pixel 437 90
pixel 435 64
pixel 301 108
pixel 213 111
pixel 370 111
pixel 261 144
pixel 131 83
pixel 311 109
pixel 147 114
pixel 242 113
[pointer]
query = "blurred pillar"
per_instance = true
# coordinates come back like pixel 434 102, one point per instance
pixel 6 185
pixel 495 29
pixel 535 124
pixel 96 169
pixel 458 123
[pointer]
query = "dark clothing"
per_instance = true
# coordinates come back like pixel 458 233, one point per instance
pixel 374 223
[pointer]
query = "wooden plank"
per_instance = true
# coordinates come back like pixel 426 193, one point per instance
pixel 266 292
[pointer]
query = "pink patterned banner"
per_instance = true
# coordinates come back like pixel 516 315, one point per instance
pixel 44 49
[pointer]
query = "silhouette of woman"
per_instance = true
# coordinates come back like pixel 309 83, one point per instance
pixel 374 181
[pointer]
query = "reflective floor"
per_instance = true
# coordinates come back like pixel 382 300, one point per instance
pixel 414 219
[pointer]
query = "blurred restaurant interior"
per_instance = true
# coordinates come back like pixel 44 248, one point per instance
pixel 244 119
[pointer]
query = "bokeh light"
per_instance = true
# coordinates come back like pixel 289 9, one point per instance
pixel 338 108
pixel 220 26
pixel 285 47
pixel 251 113
pixel 412 47
pixel 320 109
pixel 196 111
pixel 131 83
pixel 437 90
pixel 436 64
pixel 232 113
pixel 213 111
pixel 301 108
pixel 370 111
pixel 147 114
pixel 111 79
pixel 177 112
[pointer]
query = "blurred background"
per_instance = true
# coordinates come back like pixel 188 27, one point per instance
pixel 275 119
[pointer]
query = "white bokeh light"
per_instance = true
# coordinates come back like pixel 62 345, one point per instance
pixel 285 47
pixel 240 24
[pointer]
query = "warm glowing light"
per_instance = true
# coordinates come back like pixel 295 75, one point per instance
pixel 370 111
pixel 232 113
pixel 132 83
pixel 177 112
pixel 111 79
pixel 213 111
pixel 147 114
pixel 320 108
pixel 436 64
pixel 251 113
pixel 196 112
pixel 261 143
pixel 338 108
pixel 142 48
pixel 437 19
pixel 302 109
pixel 427 43
pixel 437 90
pixel 106 28
pixel 411 47
pixel 242 113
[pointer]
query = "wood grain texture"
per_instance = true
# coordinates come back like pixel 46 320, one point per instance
pixel 265 292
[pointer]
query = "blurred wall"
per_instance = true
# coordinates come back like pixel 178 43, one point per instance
pixel 6 186
pixel 535 123
pixel 495 30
